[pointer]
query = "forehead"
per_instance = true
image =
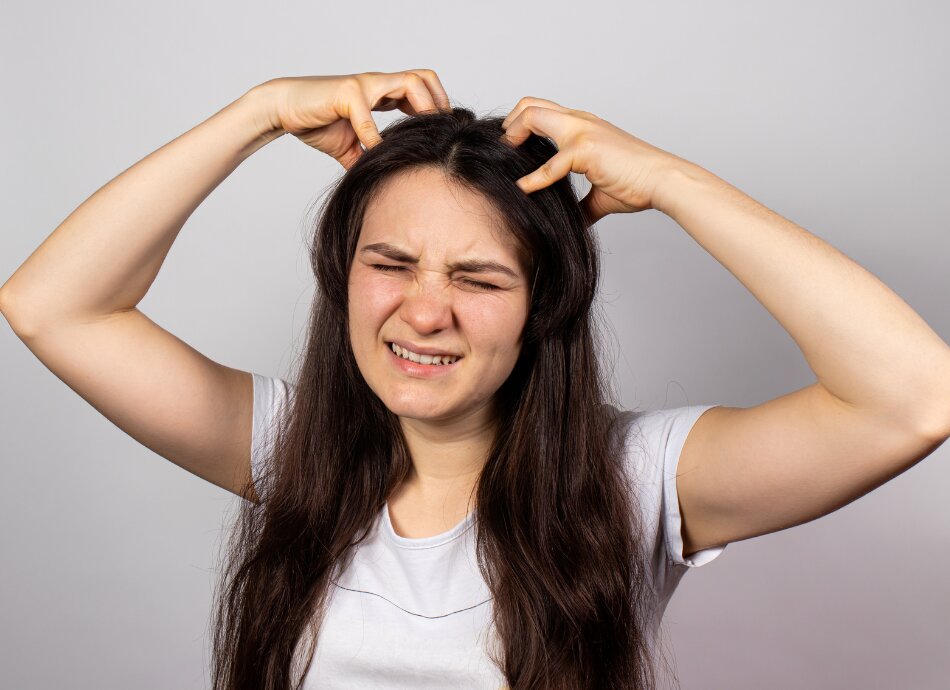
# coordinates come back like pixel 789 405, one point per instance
pixel 426 213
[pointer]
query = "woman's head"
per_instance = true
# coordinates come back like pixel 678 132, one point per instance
pixel 435 269
pixel 440 189
pixel 557 534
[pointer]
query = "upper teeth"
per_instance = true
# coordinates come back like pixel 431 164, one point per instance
pixel 422 359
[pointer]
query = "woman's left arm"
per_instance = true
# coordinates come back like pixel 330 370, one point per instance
pixel 882 400
pixel 866 346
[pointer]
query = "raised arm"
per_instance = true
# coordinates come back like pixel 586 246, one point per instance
pixel 73 301
pixel 881 402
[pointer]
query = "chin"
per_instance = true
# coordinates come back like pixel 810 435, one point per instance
pixel 413 405
pixel 415 409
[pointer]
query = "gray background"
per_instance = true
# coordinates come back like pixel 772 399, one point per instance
pixel 832 114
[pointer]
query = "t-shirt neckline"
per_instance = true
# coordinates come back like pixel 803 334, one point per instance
pixel 425 542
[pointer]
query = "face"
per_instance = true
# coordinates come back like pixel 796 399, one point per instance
pixel 416 279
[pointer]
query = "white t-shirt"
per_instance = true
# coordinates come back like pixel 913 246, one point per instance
pixel 415 613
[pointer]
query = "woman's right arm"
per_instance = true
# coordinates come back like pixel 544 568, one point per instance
pixel 73 301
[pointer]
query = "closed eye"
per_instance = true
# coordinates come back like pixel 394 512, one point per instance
pixel 483 286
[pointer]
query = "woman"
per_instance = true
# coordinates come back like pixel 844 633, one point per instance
pixel 359 561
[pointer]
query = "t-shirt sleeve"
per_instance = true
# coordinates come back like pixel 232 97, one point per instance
pixel 270 397
pixel 677 425
pixel 655 442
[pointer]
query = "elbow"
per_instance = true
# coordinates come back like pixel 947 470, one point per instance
pixel 934 424
pixel 14 315
pixel 934 417
pixel 5 305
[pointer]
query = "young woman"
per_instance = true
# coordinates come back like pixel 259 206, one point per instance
pixel 445 495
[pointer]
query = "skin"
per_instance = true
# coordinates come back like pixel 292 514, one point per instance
pixel 881 402
pixel 448 422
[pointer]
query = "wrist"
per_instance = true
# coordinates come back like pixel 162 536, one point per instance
pixel 674 185
pixel 260 104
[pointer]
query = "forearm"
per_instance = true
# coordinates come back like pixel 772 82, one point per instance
pixel 104 257
pixel 864 343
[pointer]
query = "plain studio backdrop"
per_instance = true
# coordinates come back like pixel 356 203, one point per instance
pixel 832 114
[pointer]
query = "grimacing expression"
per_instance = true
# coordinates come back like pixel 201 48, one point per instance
pixel 444 300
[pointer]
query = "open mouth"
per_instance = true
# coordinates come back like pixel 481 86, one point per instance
pixel 427 361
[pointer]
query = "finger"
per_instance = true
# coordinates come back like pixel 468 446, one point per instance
pixel 387 104
pixel 529 101
pixel 590 208
pixel 556 167
pixel 362 121
pixel 349 158
pixel 417 93
pixel 435 87
pixel 538 120
pixel 406 91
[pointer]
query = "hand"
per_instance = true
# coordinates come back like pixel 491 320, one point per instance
pixel 333 113
pixel 624 171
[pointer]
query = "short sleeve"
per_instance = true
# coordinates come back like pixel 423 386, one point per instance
pixel 678 423
pixel 655 440
pixel 270 397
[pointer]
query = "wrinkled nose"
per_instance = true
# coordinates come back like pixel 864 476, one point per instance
pixel 427 306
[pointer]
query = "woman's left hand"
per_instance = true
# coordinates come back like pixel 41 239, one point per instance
pixel 624 171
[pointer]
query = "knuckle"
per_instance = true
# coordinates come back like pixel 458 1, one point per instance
pixel 530 111
pixel 584 141
pixel 351 83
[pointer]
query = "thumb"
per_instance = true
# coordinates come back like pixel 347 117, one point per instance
pixel 592 206
pixel 349 157
pixel 361 119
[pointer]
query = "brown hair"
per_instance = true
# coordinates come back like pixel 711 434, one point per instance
pixel 558 533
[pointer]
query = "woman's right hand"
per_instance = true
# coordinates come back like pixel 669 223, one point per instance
pixel 333 113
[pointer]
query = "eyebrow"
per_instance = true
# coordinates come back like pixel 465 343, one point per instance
pixel 467 265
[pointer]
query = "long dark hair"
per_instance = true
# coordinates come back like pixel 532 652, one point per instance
pixel 558 532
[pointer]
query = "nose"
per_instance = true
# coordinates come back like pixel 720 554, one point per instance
pixel 427 304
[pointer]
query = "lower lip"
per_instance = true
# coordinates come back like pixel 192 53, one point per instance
pixel 427 371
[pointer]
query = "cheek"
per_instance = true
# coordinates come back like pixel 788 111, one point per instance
pixel 492 324
pixel 371 299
